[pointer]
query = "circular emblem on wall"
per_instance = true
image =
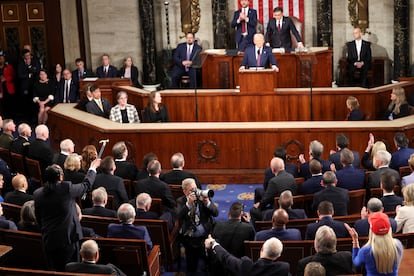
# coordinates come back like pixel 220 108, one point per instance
pixel 207 151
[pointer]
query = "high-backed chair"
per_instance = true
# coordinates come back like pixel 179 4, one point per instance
pixel 17 161
pixel 5 155
pixel 34 172
pixel 299 26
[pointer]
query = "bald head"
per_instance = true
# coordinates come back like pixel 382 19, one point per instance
pixel 277 165
pixel 67 146
pixel 280 218
pixel 19 182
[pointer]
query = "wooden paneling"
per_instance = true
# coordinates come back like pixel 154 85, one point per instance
pixel 105 85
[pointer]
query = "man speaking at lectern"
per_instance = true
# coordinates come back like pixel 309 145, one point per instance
pixel 259 55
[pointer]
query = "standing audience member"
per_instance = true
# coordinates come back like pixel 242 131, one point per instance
pixel 39 149
pixel 81 71
pixel 398 106
pixel 99 199
pixel 57 76
pixel 68 91
pixel 6 138
pixel 5 223
pixel 98 105
pixel 382 254
pixel 315 152
pixel 400 157
pixel 106 70
pixel 313 184
pixel 359 59
pixel 405 214
pixel 130 71
pixel 19 196
pixel 408 179
pixel 21 144
pixel 342 142
pixel 350 177
pixel 85 98
pixel 28 218
pixel 381 162
pixel 123 112
pixel 258 55
pixel 155 111
pixel 55 208
pixel 43 96
pixel 124 169
pixel 66 147
pixel 389 199
pixel 72 168
pixel 178 174
pixel 354 113
pixel 7 80
pixel 279 220
pixel 372 147
pixel 244 21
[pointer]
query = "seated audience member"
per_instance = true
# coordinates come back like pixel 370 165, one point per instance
pixel 66 147
pixel 195 217
pixel 389 199
pixel 286 203
pixel 313 184
pixel 381 255
pixel 349 177
pixel 28 218
pixel 123 112
pixel 155 187
pixel 314 269
pixel 39 149
pixel 127 230
pixel 405 214
pixel 342 142
pixel 85 98
pixel 99 199
pixel 5 223
pixel 114 185
pixel 5 179
pixel 143 203
pixel 354 113
pixel 232 233
pixel 367 158
pixel 106 70
pixel 89 253
pixel 72 169
pixel 400 157
pixel 19 195
pixel 68 89
pixel 21 144
pixel 335 262
pixel 81 71
pixel 398 106
pixel 6 137
pixel 265 265
pixel 178 174
pixel 315 152
pixel 290 168
pixel 124 169
pixel 86 231
pixel 259 55
pixel 408 179
pixel 88 154
pixel 155 111
pixel 98 106
pixel 325 214
pixel 374 205
pixel 43 96
pixel 358 59
pixel 143 173
pixel 381 162
pixel 338 196
pixel 279 220
pixel 130 71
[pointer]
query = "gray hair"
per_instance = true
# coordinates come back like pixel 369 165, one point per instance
pixel 316 148
pixel 272 248
pixel 325 240
pixel 126 213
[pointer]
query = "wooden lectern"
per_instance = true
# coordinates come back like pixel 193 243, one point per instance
pixel 257 81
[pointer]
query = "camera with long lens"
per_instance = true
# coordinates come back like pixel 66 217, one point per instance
pixel 204 193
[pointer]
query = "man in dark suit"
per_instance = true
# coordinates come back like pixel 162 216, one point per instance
pixel 55 208
pixel 66 147
pixel 389 199
pixel 21 144
pixel 183 60
pixel 349 177
pixel 178 174
pixel 90 256
pixel 81 72
pixel 195 216
pixel 362 226
pixel 124 169
pixel 400 157
pixel 335 262
pixel 382 160
pixel 155 187
pixel 279 220
pixel 325 214
pixel 266 265
pixel 338 196
pixel 279 29
pixel 98 105
pixel 19 195
pixel 113 184
pixel 358 58
pixel 245 21
pixel 106 70
pixel 99 199
pixel 68 90
pixel 143 205
pixel 39 149
pixel 127 230
pixel 259 55
pixel 315 152
pixel 286 203
pixel 313 184
pixel 342 142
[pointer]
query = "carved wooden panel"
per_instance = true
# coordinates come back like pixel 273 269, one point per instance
pixel 10 13
pixel 35 12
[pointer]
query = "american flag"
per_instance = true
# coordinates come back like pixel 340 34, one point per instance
pixel 265 9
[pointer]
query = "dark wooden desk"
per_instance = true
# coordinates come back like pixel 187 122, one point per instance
pixel 4 249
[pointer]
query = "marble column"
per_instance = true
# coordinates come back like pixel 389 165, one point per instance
pixel 324 26
pixel 146 14
pixel 401 38
pixel 221 24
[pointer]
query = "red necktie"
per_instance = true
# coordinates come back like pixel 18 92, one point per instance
pixel 278 26
pixel 244 29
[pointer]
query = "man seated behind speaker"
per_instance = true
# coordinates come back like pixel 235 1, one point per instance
pixel 259 55
pixel 279 220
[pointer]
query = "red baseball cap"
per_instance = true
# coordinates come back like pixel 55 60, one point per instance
pixel 380 223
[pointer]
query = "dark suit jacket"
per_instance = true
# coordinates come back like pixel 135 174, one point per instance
pixel 311 185
pixel 86 73
pixel 356 115
pixel 41 151
pixel 126 170
pixel 293 214
pixel 351 178
pixel 112 72
pixel 366 162
pixel 89 232
pixel 93 108
pixel 336 159
pixel 129 231
pixel 245 266
pixel 142 214
pixel 231 235
pixel 337 226
pixel 156 188
pixel 338 263
pixel 17 197
pixel 304 168
pixel 99 211
pixel 73 176
pixel 400 158
pixel 290 168
pixel 404 111
pixel 156 117
pixel 73 92
pixel 389 202
pixel 134 75
pixel 338 196
pixel 362 226
pixel 281 39
pixel 20 145
pixel 91 268
pixel 251 26
pixel 282 234
pixel 365 54
pixel 114 185
pixel 59 159
pixel 177 176
pixel 374 178
pixel 266 60
pixel 282 182
pixel 56 212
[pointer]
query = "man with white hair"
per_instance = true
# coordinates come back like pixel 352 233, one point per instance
pixel 99 199
pixel 6 138
pixel 265 265
pixel 381 163
pixel 21 144
pixel 66 147
pixel 315 152
pixel 39 149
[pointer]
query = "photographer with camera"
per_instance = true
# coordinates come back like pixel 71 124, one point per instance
pixel 195 214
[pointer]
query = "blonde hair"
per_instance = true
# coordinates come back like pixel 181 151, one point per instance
pixel 411 162
pixel 352 103
pixel 399 92
pixel 408 193
pixel 385 249
pixel 72 162
pixel 376 147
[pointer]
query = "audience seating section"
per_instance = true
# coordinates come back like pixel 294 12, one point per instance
pixel 11 211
